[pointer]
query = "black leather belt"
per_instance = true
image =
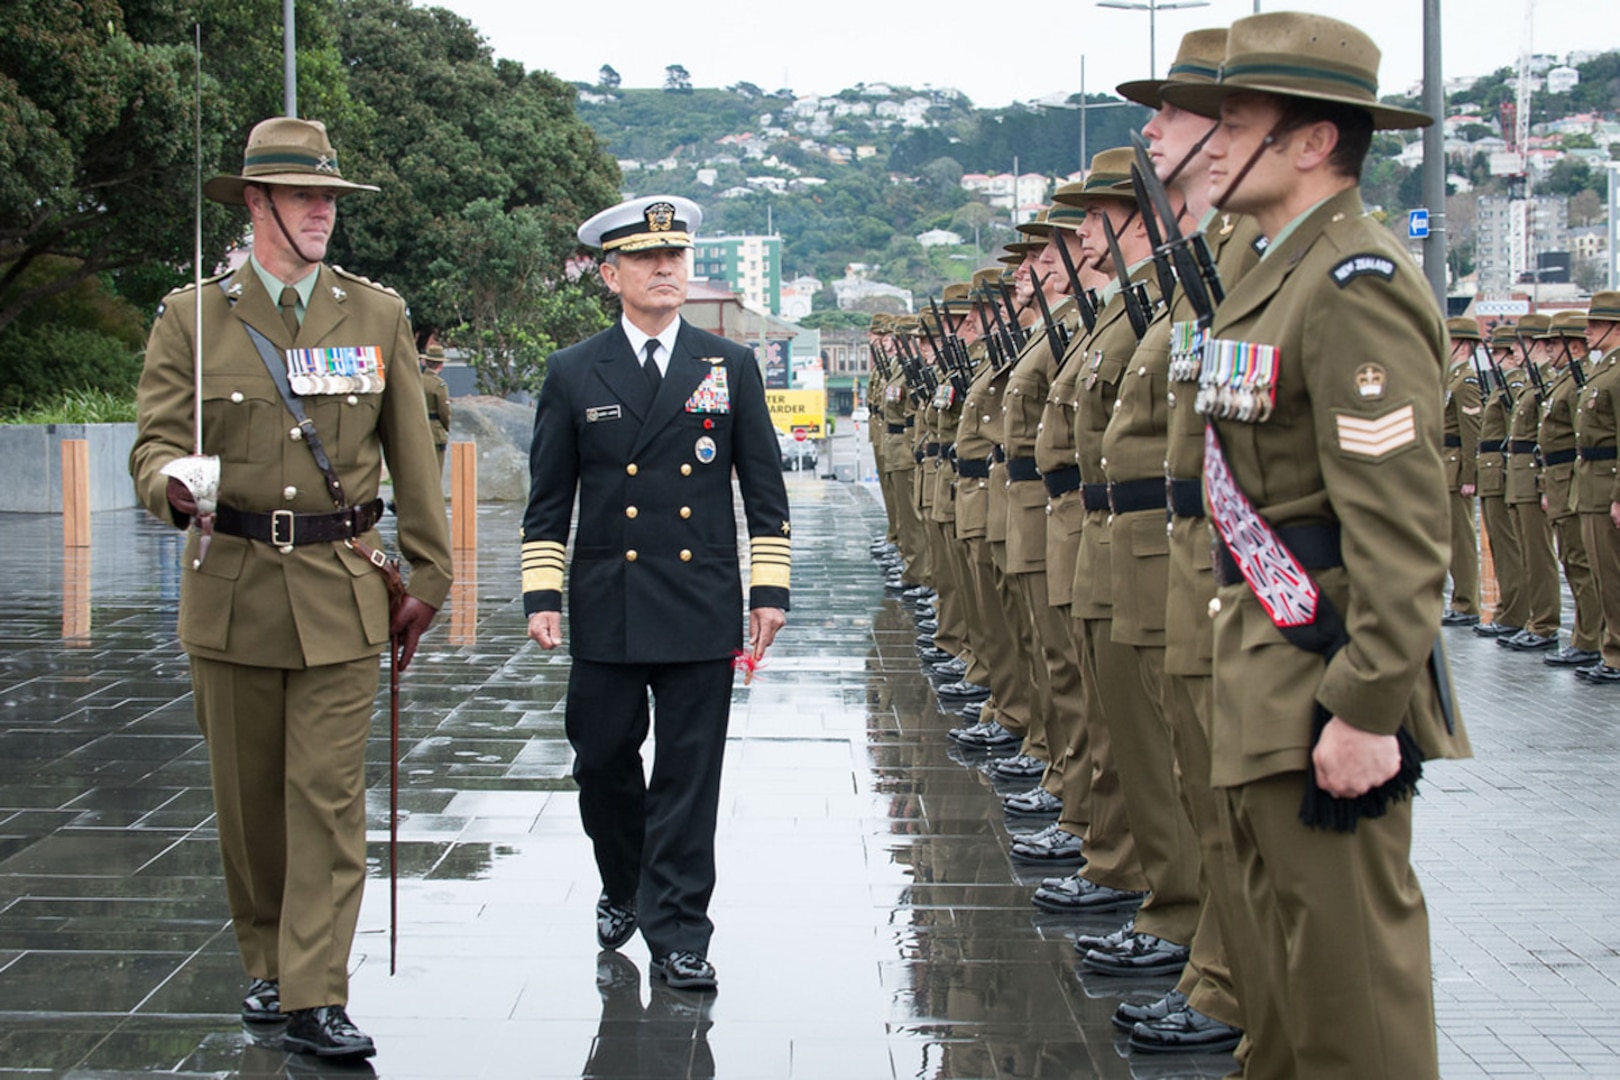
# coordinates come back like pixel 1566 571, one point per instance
pixel 1598 453
pixel 911 421
pixel 1134 495
pixel 433 416
pixel 284 528
pixel 1492 446
pixel 931 449
pixel 1095 496
pixel 998 452
pixel 1062 481
pixel 1186 497
pixel 1521 446
pixel 973 469
pixel 1022 468
pixel 895 429
pixel 1558 457
pixel 1453 440
pixel 1315 546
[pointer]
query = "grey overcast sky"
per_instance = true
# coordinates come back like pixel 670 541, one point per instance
pixel 993 53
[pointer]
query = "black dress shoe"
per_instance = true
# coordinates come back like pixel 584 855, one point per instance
pixel 1142 954
pixel 1186 1032
pixel 1494 629
pixel 1075 894
pixel 1528 641
pixel 1055 846
pixel 917 592
pixel 1458 618
pixel 685 970
pixel 614 922
pixel 1599 673
pixel 928 626
pixel 1037 802
pixel 326 1031
pixel 1131 1013
pixel 925 641
pixel 953 668
pixel 973 712
pixel 1570 656
pixel 1017 767
pixel 1114 939
pixel 963 691
pixel 934 655
pixel 989 735
pixel 262 1005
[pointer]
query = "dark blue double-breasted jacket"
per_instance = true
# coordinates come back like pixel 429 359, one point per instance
pixel 655 571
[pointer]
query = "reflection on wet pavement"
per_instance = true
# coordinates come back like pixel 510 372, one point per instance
pixel 870 924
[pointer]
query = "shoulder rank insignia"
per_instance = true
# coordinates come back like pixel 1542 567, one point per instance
pixel 1368 265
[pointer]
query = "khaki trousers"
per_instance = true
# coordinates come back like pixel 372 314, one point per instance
pixel 287 756
pixel 1207 979
pixel 952 634
pixel 1464 556
pixel 1338 986
pixel 1016 611
pixel 1065 726
pixel 909 524
pixel 1543 597
pixel 1502 529
pixel 1603 550
pixel 1588 633
pixel 996 644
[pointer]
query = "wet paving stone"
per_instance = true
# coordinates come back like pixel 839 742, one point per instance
pixel 870 923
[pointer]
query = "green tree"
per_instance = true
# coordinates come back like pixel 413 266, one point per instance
pixel 608 78
pixel 512 306
pixel 456 129
pixel 677 79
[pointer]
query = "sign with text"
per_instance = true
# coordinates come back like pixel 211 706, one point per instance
pixel 792 410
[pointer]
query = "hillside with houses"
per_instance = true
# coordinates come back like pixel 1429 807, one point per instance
pixel 880 194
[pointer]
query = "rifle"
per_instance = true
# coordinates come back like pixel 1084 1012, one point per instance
pixel 998 358
pixel 1161 259
pixel 1530 367
pixel 961 369
pixel 1057 336
pixel 1088 309
pixel 1194 265
pixel 1008 342
pixel 1501 379
pixel 1133 304
pixel 1576 372
pixel 1019 335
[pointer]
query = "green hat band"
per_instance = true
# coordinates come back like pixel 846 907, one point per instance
pixel 1201 71
pixel 1287 72
pixel 283 159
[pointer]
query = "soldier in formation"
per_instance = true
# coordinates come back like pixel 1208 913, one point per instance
pixel 1225 748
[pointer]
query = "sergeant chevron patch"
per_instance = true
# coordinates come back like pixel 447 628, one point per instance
pixel 1380 436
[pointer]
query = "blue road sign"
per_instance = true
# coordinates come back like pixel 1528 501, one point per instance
pixel 1417 225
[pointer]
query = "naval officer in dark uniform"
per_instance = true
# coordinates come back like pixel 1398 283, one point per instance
pixel 648 421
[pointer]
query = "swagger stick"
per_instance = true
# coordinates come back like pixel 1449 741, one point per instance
pixel 393 800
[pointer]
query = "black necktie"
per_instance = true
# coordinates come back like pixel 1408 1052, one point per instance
pixel 289 310
pixel 650 365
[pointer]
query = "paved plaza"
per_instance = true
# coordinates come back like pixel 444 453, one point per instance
pixel 870 924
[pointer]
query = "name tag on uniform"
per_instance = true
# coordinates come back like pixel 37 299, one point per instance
pixel 713 394
pixel 599 413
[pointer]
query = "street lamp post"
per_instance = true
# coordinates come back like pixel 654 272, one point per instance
pixel 1152 7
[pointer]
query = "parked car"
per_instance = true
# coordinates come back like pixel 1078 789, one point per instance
pixel 796 454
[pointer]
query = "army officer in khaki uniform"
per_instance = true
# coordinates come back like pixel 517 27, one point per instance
pixel 438 400
pixel 283 615
pixel 1597 481
pixel 1322 389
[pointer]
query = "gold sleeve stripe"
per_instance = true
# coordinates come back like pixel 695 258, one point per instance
pixel 769 562
pixel 543 566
